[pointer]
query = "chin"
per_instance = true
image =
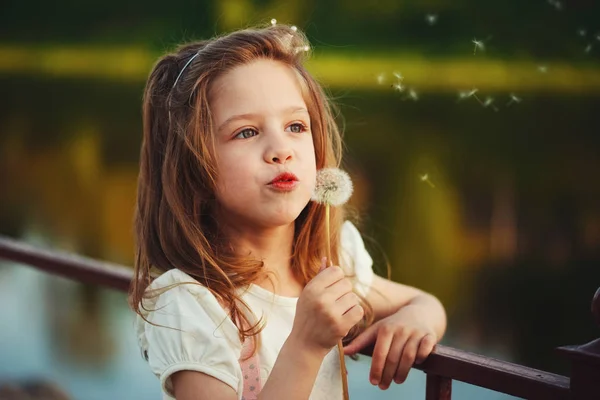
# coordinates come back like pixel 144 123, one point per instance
pixel 282 219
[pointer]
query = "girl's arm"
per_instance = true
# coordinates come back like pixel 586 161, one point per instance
pixel 193 385
pixel 409 322
pixel 387 297
pixel 327 309
pixel 294 374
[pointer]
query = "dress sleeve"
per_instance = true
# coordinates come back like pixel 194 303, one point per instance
pixel 188 330
pixel 355 258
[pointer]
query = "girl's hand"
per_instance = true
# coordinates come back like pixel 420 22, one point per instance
pixel 327 309
pixel 401 340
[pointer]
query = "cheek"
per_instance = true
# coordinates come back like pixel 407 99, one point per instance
pixel 311 159
pixel 310 167
pixel 233 175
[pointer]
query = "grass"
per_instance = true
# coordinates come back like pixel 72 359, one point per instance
pixel 336 70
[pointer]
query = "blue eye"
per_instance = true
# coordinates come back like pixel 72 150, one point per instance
pixel 246 133
pixel 297 127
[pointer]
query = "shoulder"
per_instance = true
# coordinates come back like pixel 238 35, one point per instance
pixel 349 234
pixel 355 258
pixel 183 327
pixel 177 302
pixel 176 291
pixel 353 246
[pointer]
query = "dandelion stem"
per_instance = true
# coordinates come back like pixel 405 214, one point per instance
pixel 327 235
pixel 340 346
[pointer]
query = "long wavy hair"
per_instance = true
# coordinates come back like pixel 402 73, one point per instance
pixel 174 219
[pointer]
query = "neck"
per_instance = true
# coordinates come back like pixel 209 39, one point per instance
pixel 273 246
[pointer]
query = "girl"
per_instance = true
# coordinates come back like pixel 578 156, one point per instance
pixel 230 290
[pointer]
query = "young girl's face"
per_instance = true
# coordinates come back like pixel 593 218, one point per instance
pixel 266 164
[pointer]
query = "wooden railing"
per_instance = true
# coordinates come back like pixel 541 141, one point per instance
pixel 444 364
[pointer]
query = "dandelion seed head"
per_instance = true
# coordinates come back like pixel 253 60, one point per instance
pixel 333 187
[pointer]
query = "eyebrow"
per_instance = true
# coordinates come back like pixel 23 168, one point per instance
pixel 289 110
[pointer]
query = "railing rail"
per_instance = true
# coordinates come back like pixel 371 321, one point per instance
pixel 442 366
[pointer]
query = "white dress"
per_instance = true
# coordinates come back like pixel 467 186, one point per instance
pixel 195 333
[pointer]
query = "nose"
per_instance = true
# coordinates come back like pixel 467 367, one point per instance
pixel 279 150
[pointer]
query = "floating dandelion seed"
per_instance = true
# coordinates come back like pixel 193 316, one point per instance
pixel 431 19
pixel 489 102
pixel 333 188
pixel 473 93
pixel 294 28
pixel 302 48
pixel 273 22
pixel 413 95
pixel 513 99
pixel 398 87
pixel 588 48
pixel 581 32
pixel 543 69
pixel 556 4
pixel 425 178
pixel 598 37
pixel 380 78
pixel 465 95
pixel 478 45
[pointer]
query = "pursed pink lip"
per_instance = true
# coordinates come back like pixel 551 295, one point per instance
pixel 286 177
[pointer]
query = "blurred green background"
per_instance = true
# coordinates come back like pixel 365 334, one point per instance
pixel 475 165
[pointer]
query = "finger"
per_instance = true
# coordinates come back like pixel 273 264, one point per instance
pixel 425 347
pixel 326 278
pixel 380 352
pixel 364 339
pixel 392 361
pixel 408 358
pixel 339 289
pixel 351 318
pixel 354 315
pixel 346 302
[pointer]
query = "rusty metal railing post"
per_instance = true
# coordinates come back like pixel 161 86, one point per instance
pixel 585 363
pixel 438 388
